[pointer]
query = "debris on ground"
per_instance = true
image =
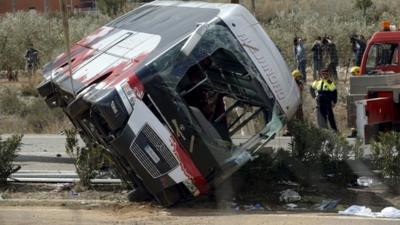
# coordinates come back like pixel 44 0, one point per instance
pixel 63 187
pixel 73 193
pixel 328 204
pixel 253 207
pixel 289 195
pixel 356 210
pixel 1 197
pixel 390 212
pixel 291 206
pixel 248 207
pixel 106 174
pixel 288 183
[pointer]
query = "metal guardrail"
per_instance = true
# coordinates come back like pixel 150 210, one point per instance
pixel 41 176
pixel 61 180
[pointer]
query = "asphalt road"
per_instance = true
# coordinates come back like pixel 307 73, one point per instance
pixel 44 152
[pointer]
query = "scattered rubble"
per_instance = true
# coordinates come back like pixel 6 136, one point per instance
pixel 390 212
pixel 356 210
pixel 63 187
pixel 328 204
pixel 289 196
pixel 289 183
pixel 248 207
pixel 291 206
pixel 73 193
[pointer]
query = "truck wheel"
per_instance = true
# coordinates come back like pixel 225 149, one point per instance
pixel 170 196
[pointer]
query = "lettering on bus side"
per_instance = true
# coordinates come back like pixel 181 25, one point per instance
pixel 264 66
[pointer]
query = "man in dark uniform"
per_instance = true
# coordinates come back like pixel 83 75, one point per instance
pixel 333 62
pixel 317 57
pixel 358 46
pixel 325 93
pixel 32 59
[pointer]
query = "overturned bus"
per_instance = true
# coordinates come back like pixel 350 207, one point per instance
pixel 181 94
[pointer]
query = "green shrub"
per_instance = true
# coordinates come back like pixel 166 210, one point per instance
pixel 363 5
pixel 8 150
pixel 318 152
pixel 31 111
pixel 19 30
pixel 10 103
pixel 29 90
pixel 39 116
pixel 315 153
pixel 111 7
pixel 87 160
pixel 386 155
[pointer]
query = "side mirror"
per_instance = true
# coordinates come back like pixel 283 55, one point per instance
pixel 194 39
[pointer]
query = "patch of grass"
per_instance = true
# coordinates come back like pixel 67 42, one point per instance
pixel 29 90
pixel 39 116
pixel 22 112
pixel 10 102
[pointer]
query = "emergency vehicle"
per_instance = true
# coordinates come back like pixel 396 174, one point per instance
pixel 373 101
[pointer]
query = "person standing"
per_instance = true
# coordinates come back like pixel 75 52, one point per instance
pixel 317 57
pixel 300 56
pixel 32 59
pixel 325 93
pixel 330 48
pixel 298 78
pixel 358 46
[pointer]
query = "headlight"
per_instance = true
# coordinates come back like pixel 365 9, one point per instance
pixel 129 93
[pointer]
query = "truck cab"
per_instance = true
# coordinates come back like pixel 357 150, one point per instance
pixel 374 94
pixel 382 54
pixel 181 94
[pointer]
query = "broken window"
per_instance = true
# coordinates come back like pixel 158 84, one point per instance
pixel 220 90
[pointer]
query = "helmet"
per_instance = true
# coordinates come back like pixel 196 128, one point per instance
pixel 355 70
pixel 296 74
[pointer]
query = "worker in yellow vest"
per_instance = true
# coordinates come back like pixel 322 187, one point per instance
pixel 297 75
pixel 325 93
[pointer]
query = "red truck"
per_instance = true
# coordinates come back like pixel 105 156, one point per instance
pixel 373 100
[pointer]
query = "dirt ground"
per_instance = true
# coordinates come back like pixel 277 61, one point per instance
pixel 138 215
pixel 61 204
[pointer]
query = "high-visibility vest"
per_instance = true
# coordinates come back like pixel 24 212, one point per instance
pixel 325 91
pixel 323 85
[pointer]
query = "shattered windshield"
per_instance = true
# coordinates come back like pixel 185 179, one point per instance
pixel 221 88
